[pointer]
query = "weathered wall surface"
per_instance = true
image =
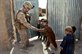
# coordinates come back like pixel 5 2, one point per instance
pixel 5 25
pixel 62 13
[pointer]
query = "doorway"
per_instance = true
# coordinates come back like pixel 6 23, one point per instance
pixel 42 9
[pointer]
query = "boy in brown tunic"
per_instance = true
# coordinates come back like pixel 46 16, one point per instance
pixel 49 34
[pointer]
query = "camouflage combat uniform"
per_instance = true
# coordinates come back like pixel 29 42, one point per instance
pixel 21 25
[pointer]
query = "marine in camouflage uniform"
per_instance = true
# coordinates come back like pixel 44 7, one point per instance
pixel 21 24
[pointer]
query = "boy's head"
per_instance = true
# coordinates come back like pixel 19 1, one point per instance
pixel 74 28
pixel 68 30
pixel 45 22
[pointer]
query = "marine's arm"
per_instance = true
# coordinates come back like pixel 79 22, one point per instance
pixel 22 19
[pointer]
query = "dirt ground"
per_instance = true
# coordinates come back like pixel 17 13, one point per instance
pixel 38 47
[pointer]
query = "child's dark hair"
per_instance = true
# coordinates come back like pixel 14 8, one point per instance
pixel 42 19
pixel 73 28
pixel 46 21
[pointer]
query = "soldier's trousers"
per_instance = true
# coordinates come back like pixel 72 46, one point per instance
pixel 24 40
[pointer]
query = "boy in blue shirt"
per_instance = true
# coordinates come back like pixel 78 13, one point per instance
pixel 67 43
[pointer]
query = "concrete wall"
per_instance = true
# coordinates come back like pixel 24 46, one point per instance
pixel 5 25
pixel 62 13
